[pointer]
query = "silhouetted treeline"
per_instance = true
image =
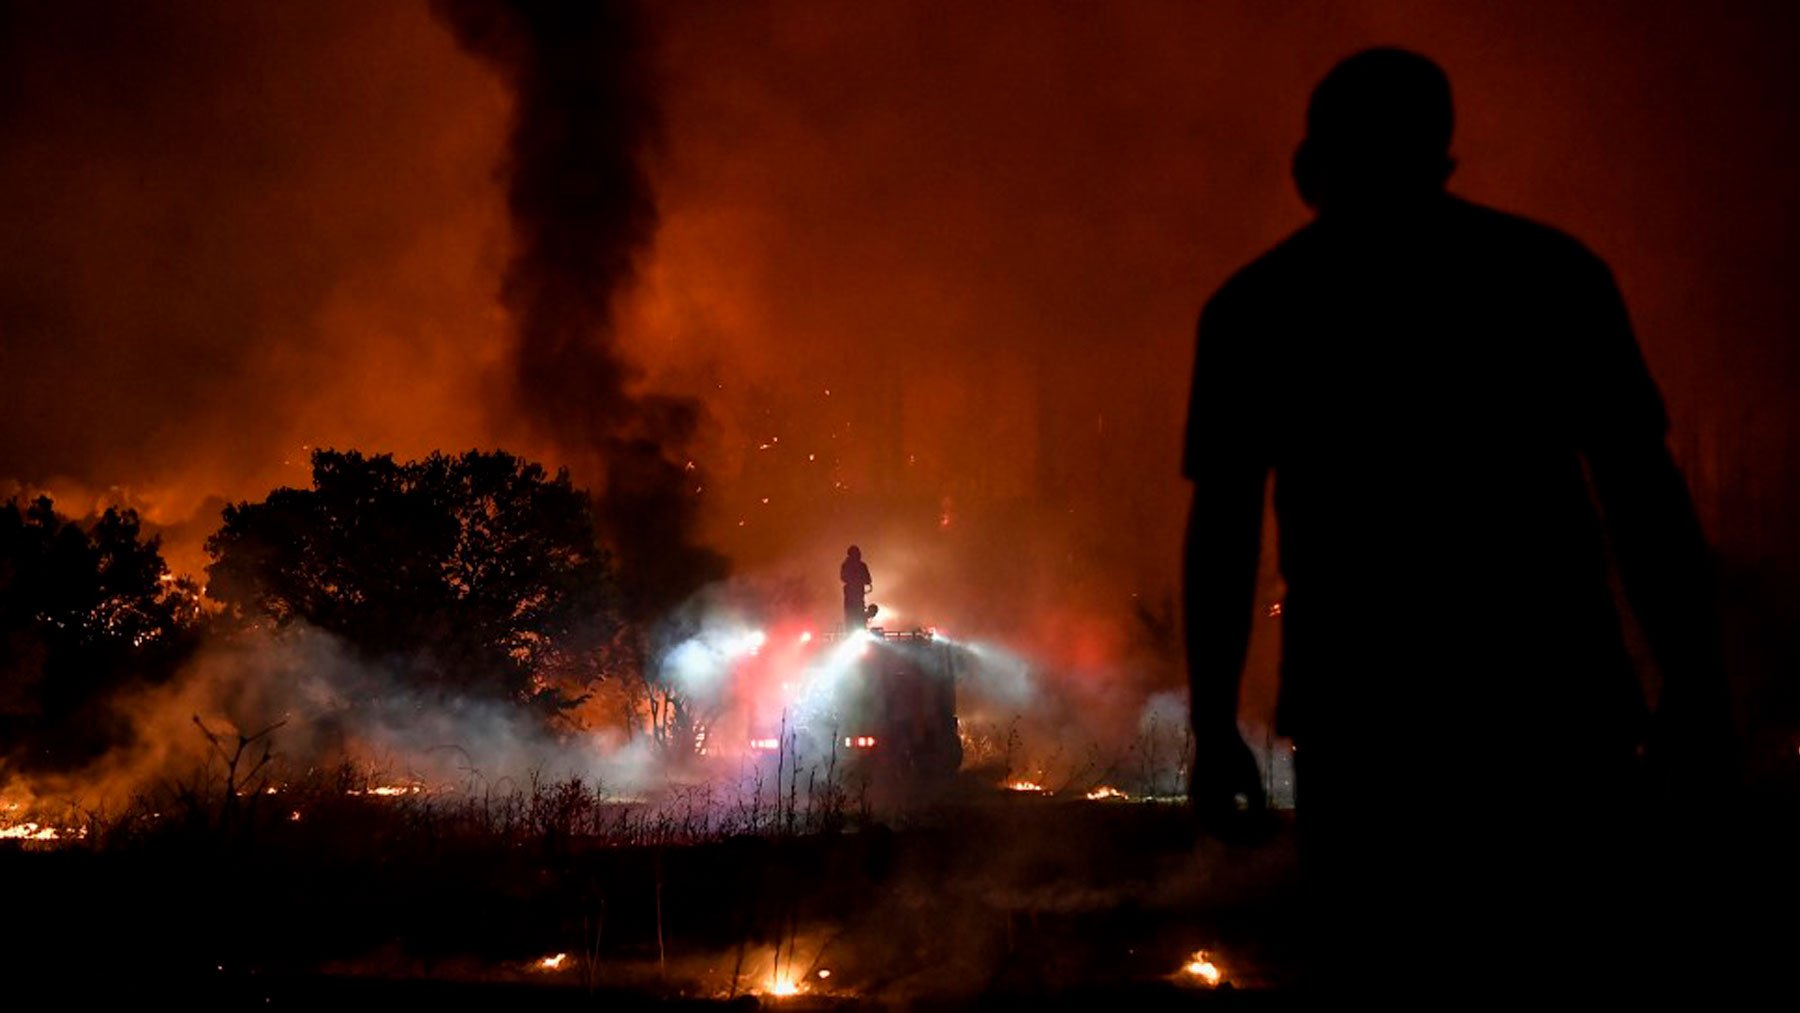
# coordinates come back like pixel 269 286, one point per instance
pixel 478 575
pixel 85 613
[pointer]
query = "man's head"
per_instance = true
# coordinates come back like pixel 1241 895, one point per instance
pixel 854 553
pixel 1377 132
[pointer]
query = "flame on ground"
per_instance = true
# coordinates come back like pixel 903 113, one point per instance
pixel 28 832
pixel 1030 786
pixel 19 822
pixel 1105 791
pixel 782 986
pixel 553 962
pixel 1200 968
pixel 390 790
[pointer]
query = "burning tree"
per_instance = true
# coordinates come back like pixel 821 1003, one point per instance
pixel 84 610
pixel 478 575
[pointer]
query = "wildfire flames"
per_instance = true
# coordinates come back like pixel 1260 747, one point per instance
pixel 12 828
pixel 554 962
pixel 1202 970
pixel 1027 786
pixel 782 986
pixel 28 832
pixel 20 821
pixel 388 790
pixel 1105 792
pixel 789 977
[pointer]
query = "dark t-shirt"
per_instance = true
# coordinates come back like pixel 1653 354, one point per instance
pixel 1425 391
pixel 855 574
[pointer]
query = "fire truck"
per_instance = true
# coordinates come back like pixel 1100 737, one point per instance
pixel 876 700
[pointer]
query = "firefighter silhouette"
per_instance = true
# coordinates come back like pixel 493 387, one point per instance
pixel 855 575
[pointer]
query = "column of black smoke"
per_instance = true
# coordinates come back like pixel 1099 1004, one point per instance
pixel 583 211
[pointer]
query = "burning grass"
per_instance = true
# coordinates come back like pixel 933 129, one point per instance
pixel 1052 763
pixel 799 891
pixel 247 797
pixel 560 883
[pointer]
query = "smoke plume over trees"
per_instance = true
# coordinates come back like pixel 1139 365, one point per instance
pixel 583 215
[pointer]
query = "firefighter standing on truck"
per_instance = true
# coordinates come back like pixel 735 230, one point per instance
pixel 855 575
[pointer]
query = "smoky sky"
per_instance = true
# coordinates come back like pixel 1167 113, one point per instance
pixel 233 232
pixel 926 273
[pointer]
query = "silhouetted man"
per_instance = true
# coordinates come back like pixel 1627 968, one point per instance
pixel 1458 424
pixel 855 575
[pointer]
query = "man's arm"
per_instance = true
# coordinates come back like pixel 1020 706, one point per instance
pixel 1228 465
pixel 1224 536
pixel 1660 550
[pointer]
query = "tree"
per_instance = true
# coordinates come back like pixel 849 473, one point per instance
pixel 84 611
pixel 476 575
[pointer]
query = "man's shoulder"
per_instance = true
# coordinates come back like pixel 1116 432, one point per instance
pixel 1315 249
pixel 1267 276
pixel 1507 230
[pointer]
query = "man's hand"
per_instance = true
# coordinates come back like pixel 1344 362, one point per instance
pixel 1226 790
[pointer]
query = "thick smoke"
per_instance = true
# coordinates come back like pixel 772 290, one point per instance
pixel 323 710
pixel 583 215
